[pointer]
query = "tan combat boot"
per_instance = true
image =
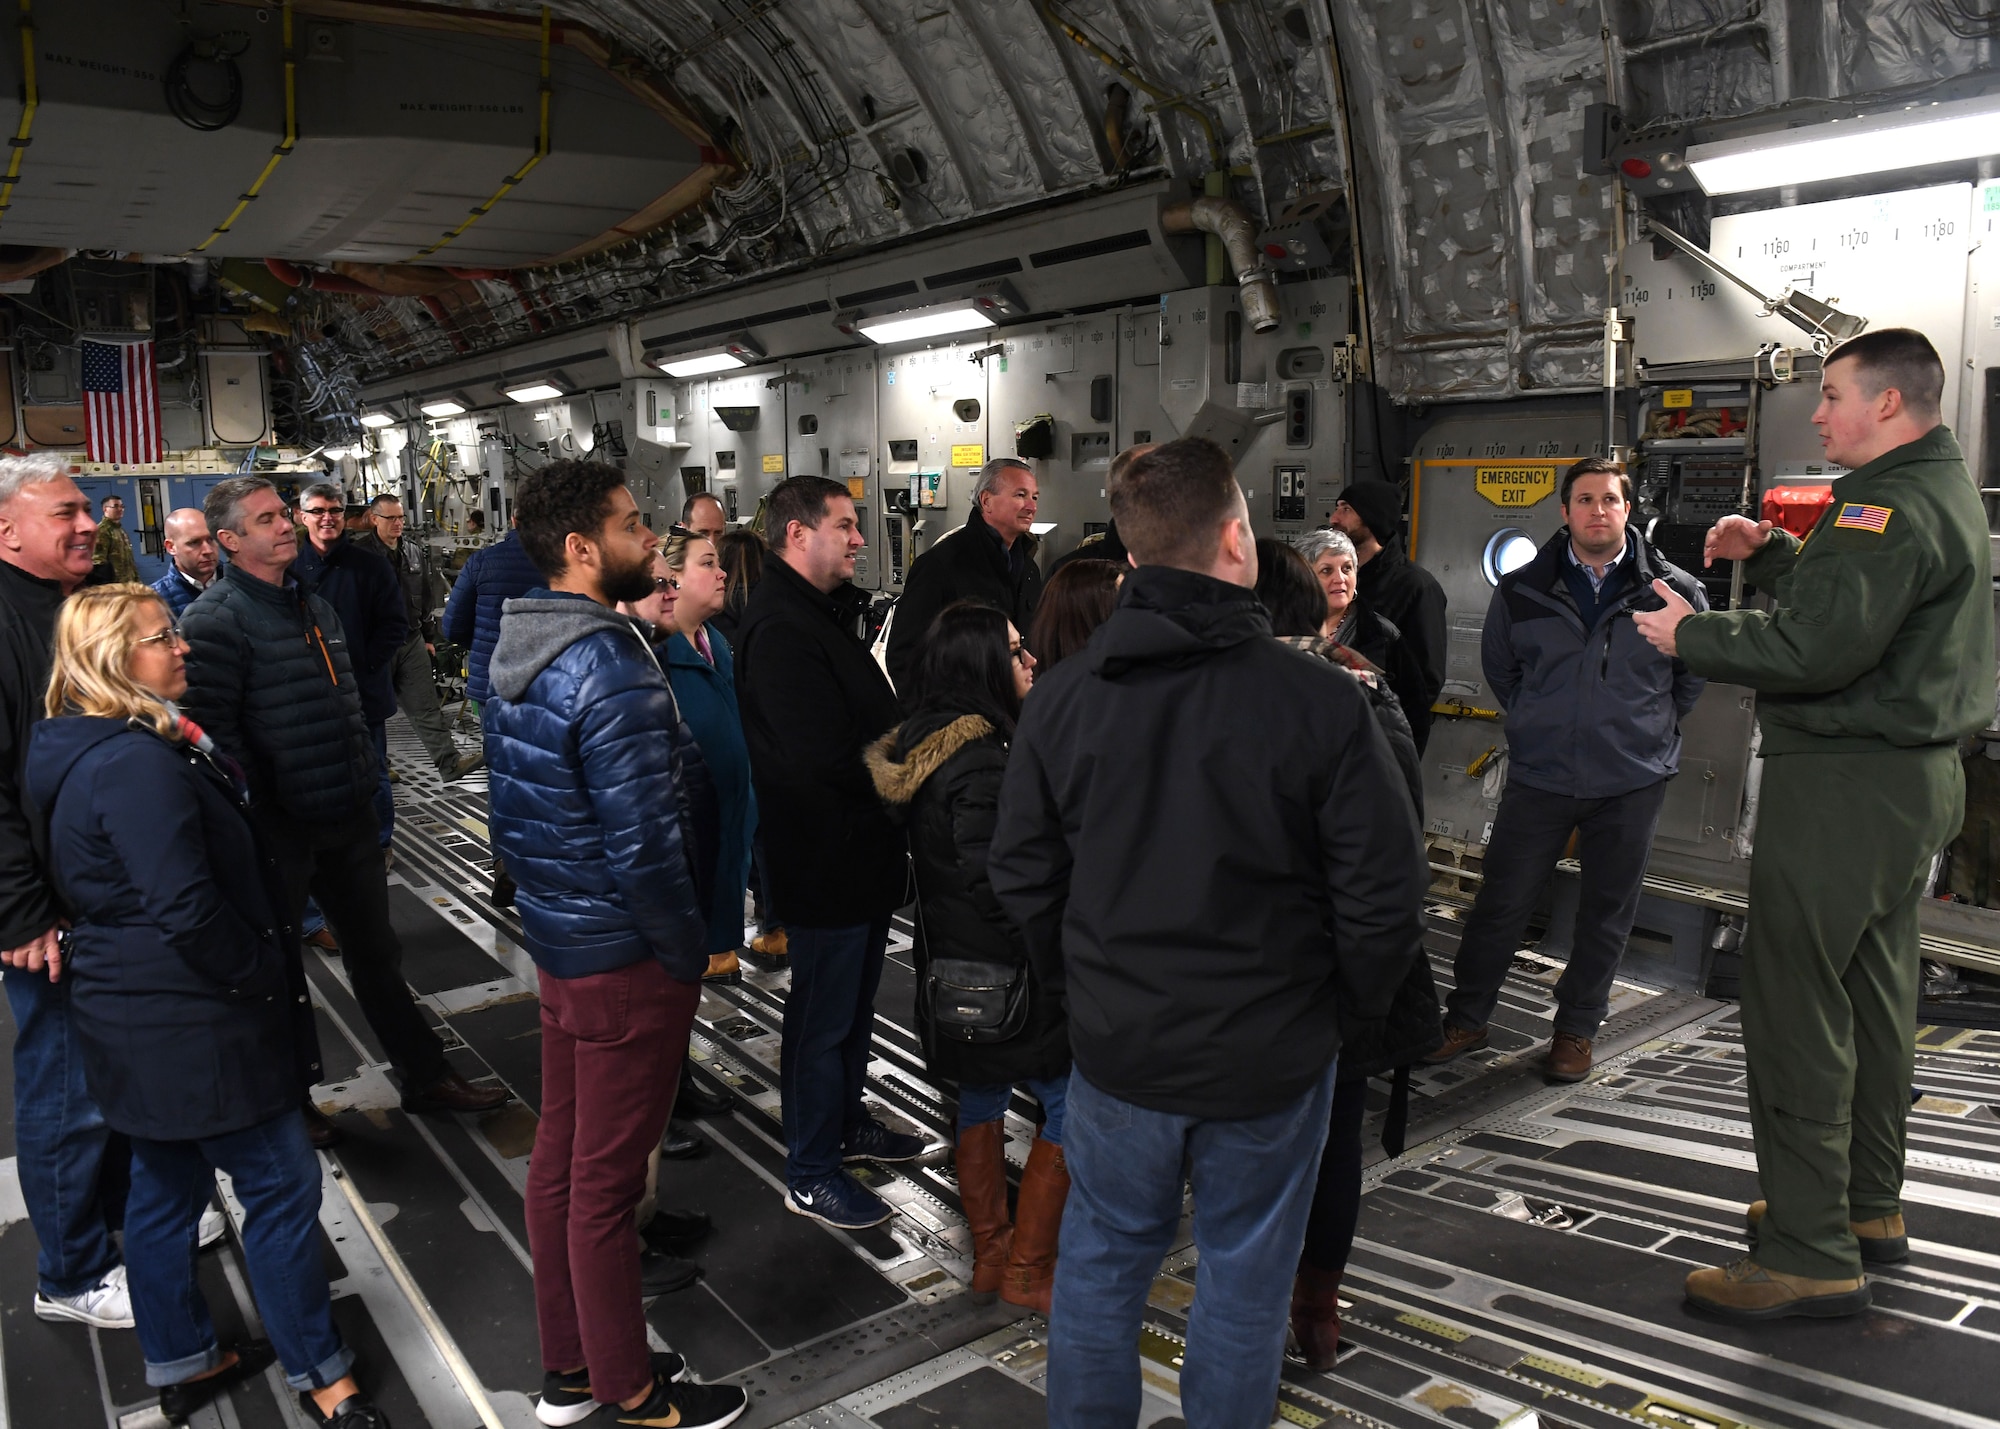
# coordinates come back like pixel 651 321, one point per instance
pixel 1747 1291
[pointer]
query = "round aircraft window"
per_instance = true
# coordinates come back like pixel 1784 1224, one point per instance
pixel 1509 550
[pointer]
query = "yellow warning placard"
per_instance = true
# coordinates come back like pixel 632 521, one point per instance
pixel 968 454
pixel 1515 483
pixel 774 462
pixel 1677 397
pixel 857 487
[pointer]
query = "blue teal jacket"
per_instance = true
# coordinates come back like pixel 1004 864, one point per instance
pixel 592 797
pixel 493 576
pixel 707 696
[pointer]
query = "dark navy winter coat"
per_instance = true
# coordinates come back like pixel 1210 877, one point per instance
pixel 1592 712
pixel 707 696
pixel 592 782
pixel 364 592
pixel 186 992
pixel 492 576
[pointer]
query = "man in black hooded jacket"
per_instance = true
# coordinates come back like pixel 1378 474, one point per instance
pixel 1205 840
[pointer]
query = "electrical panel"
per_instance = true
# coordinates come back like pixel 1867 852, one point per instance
pixel 1288 493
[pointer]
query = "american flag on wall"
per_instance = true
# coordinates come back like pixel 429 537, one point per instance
pixel 121 402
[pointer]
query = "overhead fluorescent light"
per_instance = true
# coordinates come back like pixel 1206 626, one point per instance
pixel 984 308
pixel 377 419
pixel 936 322
pixel 443 407
pixel 1917 137
pixel 723 357
pixel 535 392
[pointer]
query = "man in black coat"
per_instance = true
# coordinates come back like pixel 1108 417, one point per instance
pixel 1204 836
pixel 990 559
pixel 269 678
pixel 47 538
pixel 363 591
pixel 1407 595
pixel 813 699
pixel 410 670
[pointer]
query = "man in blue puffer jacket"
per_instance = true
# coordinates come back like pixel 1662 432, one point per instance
pixel 588 783
pixel 491 577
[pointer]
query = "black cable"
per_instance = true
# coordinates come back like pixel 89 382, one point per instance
pixel 205 112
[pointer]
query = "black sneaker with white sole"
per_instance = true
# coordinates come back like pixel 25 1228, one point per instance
pixel 872 1141
pixel 838 1200
pixel 566 1397
pixel 679 1406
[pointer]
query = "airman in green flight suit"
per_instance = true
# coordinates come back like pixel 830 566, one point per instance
pixel 1876 660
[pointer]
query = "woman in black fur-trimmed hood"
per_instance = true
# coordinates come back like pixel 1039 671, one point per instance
pixel 940 770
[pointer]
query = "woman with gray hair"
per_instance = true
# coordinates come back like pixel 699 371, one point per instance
pixel 1354 623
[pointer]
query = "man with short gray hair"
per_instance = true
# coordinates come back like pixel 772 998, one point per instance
pixel 271 679
pixel 990 559
pixel 47 539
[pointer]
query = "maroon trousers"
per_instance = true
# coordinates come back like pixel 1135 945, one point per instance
pixel 611 1051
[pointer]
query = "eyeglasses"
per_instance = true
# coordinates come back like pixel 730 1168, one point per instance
pixel 1022 656
pixel 170 637
pixel 665 583
pixel 321 513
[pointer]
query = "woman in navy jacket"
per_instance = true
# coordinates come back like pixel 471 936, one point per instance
pixel 189 1003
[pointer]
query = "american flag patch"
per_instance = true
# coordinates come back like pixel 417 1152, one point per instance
pixel 1863 518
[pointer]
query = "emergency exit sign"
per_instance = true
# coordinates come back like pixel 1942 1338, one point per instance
pixel 1514 483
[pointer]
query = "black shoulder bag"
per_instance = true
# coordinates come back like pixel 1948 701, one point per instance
pixel 969 999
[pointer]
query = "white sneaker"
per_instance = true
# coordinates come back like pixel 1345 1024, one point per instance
pixel 214 1226
pixel 107 1304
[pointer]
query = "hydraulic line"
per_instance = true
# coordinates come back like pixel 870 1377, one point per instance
pixel 281 152
pixel 31 100
pixel 513 179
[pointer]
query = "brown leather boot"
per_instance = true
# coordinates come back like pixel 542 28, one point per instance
pixel 982 1190
pixel 1316 1316
pixel 1884 1240
pixel 1458 1040
pixel 1031 1268
pixel 1568 1058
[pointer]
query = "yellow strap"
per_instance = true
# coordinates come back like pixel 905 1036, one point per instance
pixel 279 154
pixel 32 101
pixel 541 152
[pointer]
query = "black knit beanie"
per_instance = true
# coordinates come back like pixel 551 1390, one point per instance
pixel 1380 507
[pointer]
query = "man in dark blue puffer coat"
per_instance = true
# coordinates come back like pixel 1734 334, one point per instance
pixel 588 782
pixel 492 576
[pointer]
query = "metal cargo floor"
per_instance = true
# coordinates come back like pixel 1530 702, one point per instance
pixel 1519 1265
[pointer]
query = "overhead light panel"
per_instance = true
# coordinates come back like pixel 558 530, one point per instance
pixel 443 407
pixel 535 392
pixel 723 357
pixel 984 308
pixel 1918 137
pixel 377 419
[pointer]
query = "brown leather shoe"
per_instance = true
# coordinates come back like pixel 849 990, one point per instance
pixel 1568 1058
pixel 1884 1240
pixel 1038 1211
pixel 1316 1317
pixel 982 1191
pixel 772 947
pixel 724 967
pixel 452 1092
pixel 1456 1041
pixel 1747 1291
pixel 322 1133
pixel 323 939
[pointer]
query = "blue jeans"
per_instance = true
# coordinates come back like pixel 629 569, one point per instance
pixel 979 1105
pixel 829 1017
pixel 1253 1183
pixel 277 1179
pixel 60 1135
pixel 385 799
pixel 313 921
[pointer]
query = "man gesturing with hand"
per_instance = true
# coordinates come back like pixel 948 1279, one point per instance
pixel 1876 659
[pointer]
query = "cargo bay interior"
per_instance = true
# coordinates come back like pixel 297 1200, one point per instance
pixel 1456 243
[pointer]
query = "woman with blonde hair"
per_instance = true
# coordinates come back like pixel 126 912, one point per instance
pixel 188 1001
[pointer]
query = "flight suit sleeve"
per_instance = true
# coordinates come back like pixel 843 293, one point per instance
pixel 1775 561
pixel 1843 600
pixel 1687 684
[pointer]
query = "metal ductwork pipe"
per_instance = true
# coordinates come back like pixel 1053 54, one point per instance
pixel 1231 222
